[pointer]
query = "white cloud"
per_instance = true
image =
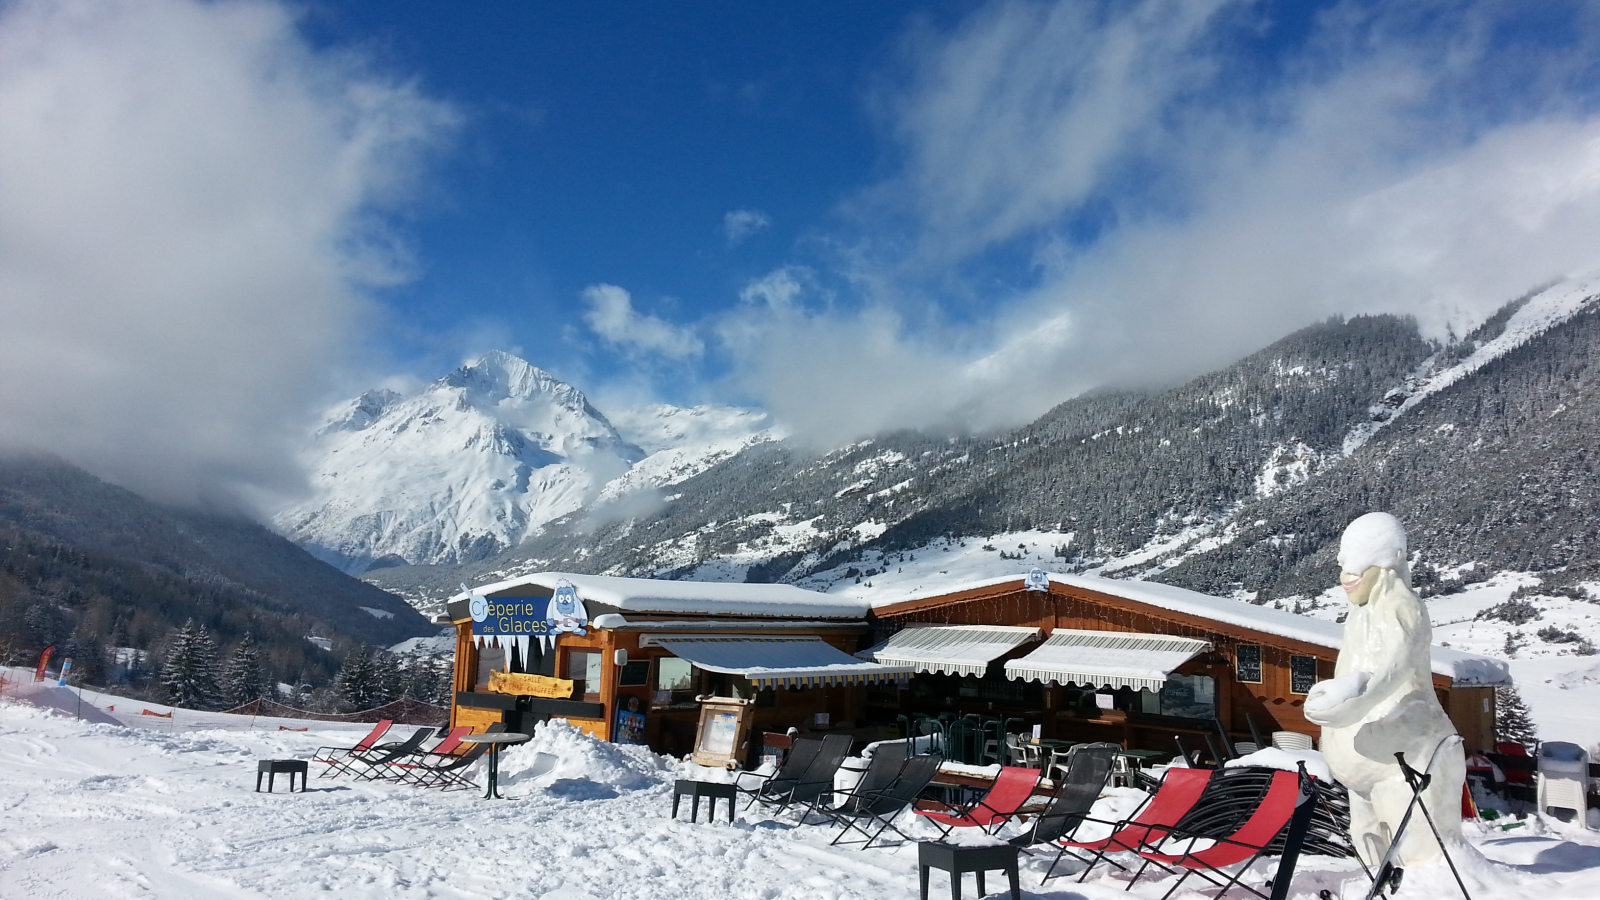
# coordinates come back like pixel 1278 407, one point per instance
pixel 1177 210
pixel 740 225
pixel 612 316
pixel 193 199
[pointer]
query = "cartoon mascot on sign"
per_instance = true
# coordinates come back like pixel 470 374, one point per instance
pixel 566 612
pixel 1381 700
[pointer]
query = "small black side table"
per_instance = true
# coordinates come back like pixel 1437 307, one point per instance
pixel 271 767
pixel 956 859
pixel 698 789
pixel 496 740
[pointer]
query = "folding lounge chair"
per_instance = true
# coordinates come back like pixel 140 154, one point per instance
pixel 378 757
pixel 882 770
pixel 443 765
pixel 1241 848
pixel 801 754
pixel 449 747
pixel 446 775
pixel 1088 769
pixel 817 780
pixel 336 757
pixel 1180 790
pixel 861 811
pixel 1003 801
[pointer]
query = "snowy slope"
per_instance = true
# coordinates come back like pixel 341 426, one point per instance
pixel 166 810
pixel 465 467
pixel 1541 312
pixel 682 443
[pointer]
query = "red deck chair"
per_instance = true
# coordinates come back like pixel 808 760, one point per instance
pixel 338 758
pixel 1240 848
pixel 1177 794
pixel 1009 792
pixel 444 751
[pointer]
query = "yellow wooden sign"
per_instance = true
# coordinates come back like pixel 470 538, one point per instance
pixel 530 685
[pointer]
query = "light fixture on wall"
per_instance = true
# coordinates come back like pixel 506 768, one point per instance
pixel 620 655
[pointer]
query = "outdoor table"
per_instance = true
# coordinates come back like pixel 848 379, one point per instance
pixel 496 740
pixel 271 767
pixel 697 789
pixel 957 859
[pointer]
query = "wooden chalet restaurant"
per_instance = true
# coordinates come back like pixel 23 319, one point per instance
pixel 1071 658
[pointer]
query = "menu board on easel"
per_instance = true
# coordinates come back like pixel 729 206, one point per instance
pixel 724 729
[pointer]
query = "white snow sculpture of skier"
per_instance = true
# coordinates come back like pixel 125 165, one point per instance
pixel 1381 700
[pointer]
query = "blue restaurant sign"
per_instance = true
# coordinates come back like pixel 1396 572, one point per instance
pixel 537 617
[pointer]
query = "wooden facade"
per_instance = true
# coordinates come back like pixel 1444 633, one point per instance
pixel 1270 699
pixel 1255 674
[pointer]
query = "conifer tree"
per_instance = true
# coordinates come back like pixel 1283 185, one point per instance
pixel 189 674
pixel 243 679
pixel 356 684
pixel 1512 720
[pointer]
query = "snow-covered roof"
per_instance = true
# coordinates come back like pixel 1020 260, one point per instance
pixel 648 595
pixel 1463 668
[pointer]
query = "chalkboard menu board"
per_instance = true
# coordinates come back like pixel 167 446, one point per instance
pixel 635 673
pixel 1302 674
pixel 1249 667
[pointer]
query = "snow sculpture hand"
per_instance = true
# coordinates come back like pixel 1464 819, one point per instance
pixel 1330 702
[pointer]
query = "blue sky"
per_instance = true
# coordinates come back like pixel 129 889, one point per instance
pixel 219 214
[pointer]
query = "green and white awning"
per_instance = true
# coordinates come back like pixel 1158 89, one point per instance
pixel 779 661
pixel 950 649
pixel 1110 659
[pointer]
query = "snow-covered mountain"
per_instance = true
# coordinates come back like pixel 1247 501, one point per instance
pixel 476 462
pixel 1237 483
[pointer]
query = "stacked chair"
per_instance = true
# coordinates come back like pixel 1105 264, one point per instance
pixel 804 777
pixel 871 813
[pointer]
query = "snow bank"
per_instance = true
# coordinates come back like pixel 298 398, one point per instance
pixel 582 767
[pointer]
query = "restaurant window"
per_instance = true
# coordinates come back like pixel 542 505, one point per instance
pixel 1302 674
pixel 1189 697
pixel 583 669
pixel 674 681
pixel 1248 668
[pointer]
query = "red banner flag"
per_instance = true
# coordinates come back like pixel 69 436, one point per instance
pixel 44 660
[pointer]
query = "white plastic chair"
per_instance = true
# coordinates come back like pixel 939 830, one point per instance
pixel 1291 740
pixel 1563 780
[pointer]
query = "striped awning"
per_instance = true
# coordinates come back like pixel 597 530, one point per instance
pixel 950 649
pixel 1111 659
pixel 786 661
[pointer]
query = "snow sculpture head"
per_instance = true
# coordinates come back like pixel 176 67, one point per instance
pixel 1372 544
pixel 1381 700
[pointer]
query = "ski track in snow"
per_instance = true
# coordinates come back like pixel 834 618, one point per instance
pixel 104 811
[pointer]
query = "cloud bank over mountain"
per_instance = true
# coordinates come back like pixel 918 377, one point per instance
pixel 195 201
pixel 1139 192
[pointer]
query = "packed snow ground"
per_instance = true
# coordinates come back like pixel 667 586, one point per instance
pixel 165 808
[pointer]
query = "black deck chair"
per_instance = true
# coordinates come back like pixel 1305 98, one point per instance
pixel 801 754
pixel 379 757
pixel 444 775
pixel 861 812
pixel 1088 768
pixel 882 770
pixel 428 768
pixel 817 780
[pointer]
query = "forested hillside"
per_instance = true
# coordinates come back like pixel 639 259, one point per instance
pixel 91 567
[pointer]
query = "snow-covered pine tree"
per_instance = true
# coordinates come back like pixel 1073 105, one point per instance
pixel 356 683
pixel 189 674
pixel 1512 720
pixel 243 679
